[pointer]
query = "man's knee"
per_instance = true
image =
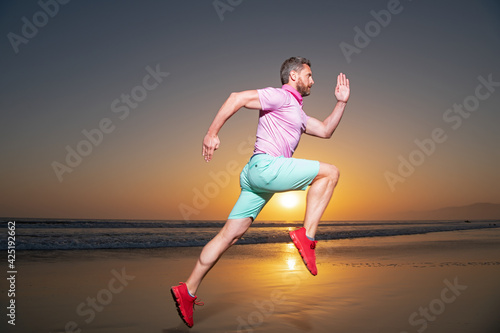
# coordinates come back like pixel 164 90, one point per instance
pixel 335 173
pixel 330 171
pixel 232 235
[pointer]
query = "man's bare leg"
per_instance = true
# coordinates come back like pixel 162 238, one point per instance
pixel 227 236
pixel 319 196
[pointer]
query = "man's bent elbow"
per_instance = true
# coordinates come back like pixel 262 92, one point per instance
pixel 327 135
pixel 233 96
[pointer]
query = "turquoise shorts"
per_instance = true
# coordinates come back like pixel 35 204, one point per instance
pixel 265 175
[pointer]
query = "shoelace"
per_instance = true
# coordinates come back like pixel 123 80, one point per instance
pixel 313 244
pixel 197 303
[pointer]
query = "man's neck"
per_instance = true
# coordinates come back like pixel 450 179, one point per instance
pixel 291 89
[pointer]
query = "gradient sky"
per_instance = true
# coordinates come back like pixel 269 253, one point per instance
pixel 65 78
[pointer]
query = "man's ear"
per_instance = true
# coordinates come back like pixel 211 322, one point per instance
pixel 293 75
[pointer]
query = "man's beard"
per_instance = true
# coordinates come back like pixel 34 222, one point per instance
pixel 303 89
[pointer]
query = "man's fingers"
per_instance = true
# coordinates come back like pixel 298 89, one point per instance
pixel 208 150
pixel 210 144
pixel 209 153
pixel 342 80
pixel 208 156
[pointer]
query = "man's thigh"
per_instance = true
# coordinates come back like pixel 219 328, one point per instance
pixel 249 204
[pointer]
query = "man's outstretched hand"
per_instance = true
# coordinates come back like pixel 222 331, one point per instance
pixel 342 91
pixel 210 144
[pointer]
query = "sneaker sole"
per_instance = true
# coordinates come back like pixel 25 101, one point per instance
pixel 177 301
pixel 295 240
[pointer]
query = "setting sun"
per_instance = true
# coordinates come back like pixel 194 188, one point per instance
pixel 289 199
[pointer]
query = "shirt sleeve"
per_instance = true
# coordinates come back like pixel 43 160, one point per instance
pixel 271 99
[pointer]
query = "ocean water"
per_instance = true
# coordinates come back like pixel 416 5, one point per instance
pixel 45 234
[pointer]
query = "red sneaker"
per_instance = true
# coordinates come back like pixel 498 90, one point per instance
pixel 306 248
pixel 184 302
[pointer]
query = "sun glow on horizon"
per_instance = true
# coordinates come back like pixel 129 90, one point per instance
pixel 289 199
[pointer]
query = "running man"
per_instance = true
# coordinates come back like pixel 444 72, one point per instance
pixel 271 169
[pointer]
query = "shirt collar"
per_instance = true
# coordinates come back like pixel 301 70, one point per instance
pixel 294 92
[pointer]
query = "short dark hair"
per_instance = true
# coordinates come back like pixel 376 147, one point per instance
pixel 292 64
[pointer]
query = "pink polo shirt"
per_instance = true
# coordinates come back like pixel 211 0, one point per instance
pixel 281 121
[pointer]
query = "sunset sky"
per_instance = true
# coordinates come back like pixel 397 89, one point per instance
pixel 151 75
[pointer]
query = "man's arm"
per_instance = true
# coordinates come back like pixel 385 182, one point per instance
pixel 248 99
pixel 325 129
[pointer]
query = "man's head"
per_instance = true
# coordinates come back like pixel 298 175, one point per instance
pixel 296 72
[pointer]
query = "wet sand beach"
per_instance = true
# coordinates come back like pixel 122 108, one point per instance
pixel 436 282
